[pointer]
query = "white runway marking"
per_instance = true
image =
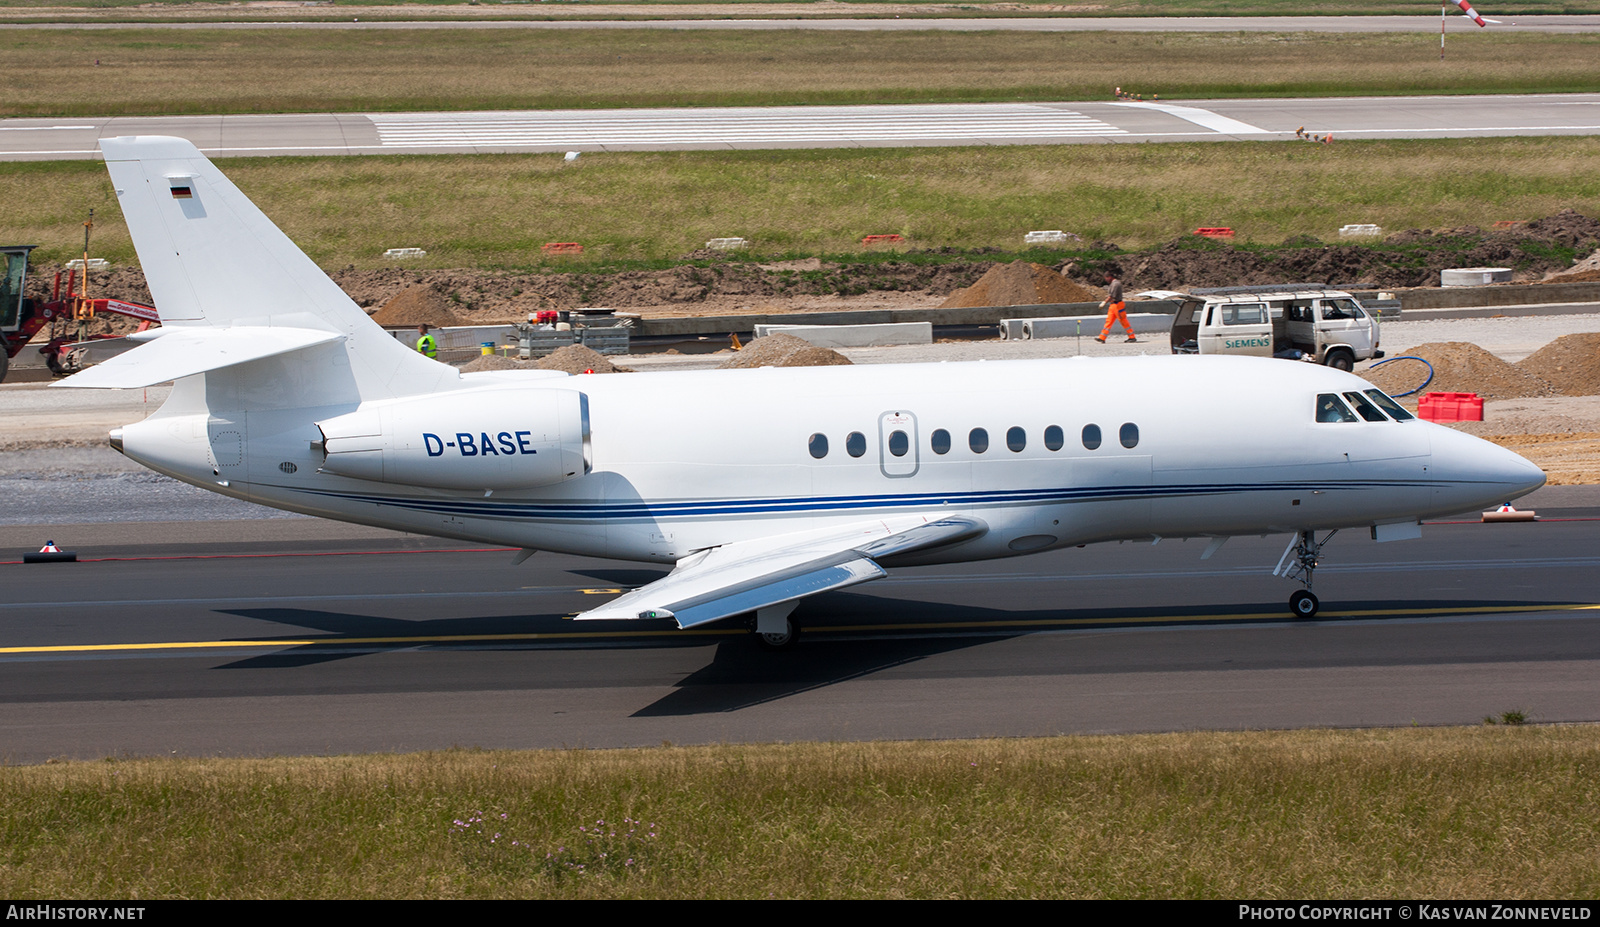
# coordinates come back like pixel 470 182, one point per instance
pixel 738 126
pixel 1201 117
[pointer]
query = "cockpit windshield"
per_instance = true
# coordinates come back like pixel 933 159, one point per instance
pixel 1395 409
pixel 1364 408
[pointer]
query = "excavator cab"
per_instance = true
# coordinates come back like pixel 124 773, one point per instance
pixel 11 285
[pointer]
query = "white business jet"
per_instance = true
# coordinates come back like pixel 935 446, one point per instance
pixel 761 487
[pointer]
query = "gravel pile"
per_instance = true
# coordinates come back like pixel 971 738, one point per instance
pixel 574 359
pixel 416 305
pixel 1571 364
pixel 1021 284
pixel 784 351
pixel 1459 367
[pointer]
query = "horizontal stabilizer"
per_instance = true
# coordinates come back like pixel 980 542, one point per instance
pixel 745 576
pixel 182 352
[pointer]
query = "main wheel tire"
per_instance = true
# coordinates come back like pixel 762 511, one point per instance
pixel 784 641
pixel 1341 360
pixel 1303 604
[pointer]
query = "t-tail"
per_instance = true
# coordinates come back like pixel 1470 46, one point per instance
pixel 233 291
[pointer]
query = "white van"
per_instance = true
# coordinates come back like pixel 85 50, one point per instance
pixel 1303 322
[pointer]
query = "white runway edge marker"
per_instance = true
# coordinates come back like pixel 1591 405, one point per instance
pixel 1201 117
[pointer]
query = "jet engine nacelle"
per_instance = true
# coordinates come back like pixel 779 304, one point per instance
pixel 473 439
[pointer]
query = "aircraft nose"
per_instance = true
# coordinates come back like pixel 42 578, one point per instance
pixel 1471 472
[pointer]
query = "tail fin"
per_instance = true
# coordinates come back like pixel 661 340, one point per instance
pixel 214 261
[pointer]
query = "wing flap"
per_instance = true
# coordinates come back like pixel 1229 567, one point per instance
pixel 182 352
pixel 745 576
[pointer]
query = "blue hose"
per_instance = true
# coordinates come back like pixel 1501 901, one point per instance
pixel 1408 357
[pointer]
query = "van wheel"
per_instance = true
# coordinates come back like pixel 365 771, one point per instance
pixel 1341 360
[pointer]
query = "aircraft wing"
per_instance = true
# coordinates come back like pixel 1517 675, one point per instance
pixel 748 575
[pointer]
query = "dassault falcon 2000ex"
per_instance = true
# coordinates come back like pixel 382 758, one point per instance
pixel 761 487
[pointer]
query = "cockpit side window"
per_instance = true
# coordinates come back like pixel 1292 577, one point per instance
pixel 1341 309
pixel 1330 408
pixel 1364 408
pixel 1396 410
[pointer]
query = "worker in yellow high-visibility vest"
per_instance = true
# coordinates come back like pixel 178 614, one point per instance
pixel 426 343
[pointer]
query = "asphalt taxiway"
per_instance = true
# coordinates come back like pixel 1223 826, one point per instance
pixel 300 636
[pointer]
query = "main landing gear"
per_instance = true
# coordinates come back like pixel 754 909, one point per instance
pixel 774 628
pixel 1305 550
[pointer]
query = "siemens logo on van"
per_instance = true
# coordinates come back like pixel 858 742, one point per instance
pixel 510 443
pixel 1247 343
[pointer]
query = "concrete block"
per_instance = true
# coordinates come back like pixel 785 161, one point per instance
pixel 1011 329
pixel 1474 276
pixel 1144 323
pixel 1360 231
pixel 854 336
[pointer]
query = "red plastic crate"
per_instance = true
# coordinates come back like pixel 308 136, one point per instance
pixel 1450 407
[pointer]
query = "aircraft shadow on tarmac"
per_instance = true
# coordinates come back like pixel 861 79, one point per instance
pixel 845 636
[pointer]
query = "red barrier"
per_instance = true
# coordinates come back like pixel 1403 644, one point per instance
pixel 1450 407
pixel 1218 232
pixel 561 247
pixel 881 239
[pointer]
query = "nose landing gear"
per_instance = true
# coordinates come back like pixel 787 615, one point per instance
pixel 1305 550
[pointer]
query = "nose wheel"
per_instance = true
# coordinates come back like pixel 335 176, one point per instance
pixel 1299 562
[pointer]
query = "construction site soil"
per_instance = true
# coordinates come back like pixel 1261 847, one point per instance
pixel 715 282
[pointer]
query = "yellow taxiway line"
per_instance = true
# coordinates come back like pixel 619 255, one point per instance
pixel 998 627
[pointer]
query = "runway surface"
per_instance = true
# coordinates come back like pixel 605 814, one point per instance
pixel 572 20
pixel 729 128
pixel 299 636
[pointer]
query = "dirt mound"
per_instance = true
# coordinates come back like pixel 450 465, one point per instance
pixel 1020 284
pixel 1570 364
pixel 1459 367
pixel 575 358
pixel 1583 271
pixel 416 305
pixel 784 351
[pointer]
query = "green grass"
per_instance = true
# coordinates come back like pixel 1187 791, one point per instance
pixel 155 71
pixel 1487 812
pixel 632 209
pixel 604 9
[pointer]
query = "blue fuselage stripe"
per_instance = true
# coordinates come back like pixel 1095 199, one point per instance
pixel 690 508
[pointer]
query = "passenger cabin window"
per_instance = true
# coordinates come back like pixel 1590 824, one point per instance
pixel 1244 314
pixel 978 440
pixel 1364 408
pixel 899 444
pixel 1129 435
pixel 1054 437
pixel 1330 408
pixel 1396 410
pixel 941 441
pixel 856 444
pixel 1016 439
pixel 818 445
pixel 1091 436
